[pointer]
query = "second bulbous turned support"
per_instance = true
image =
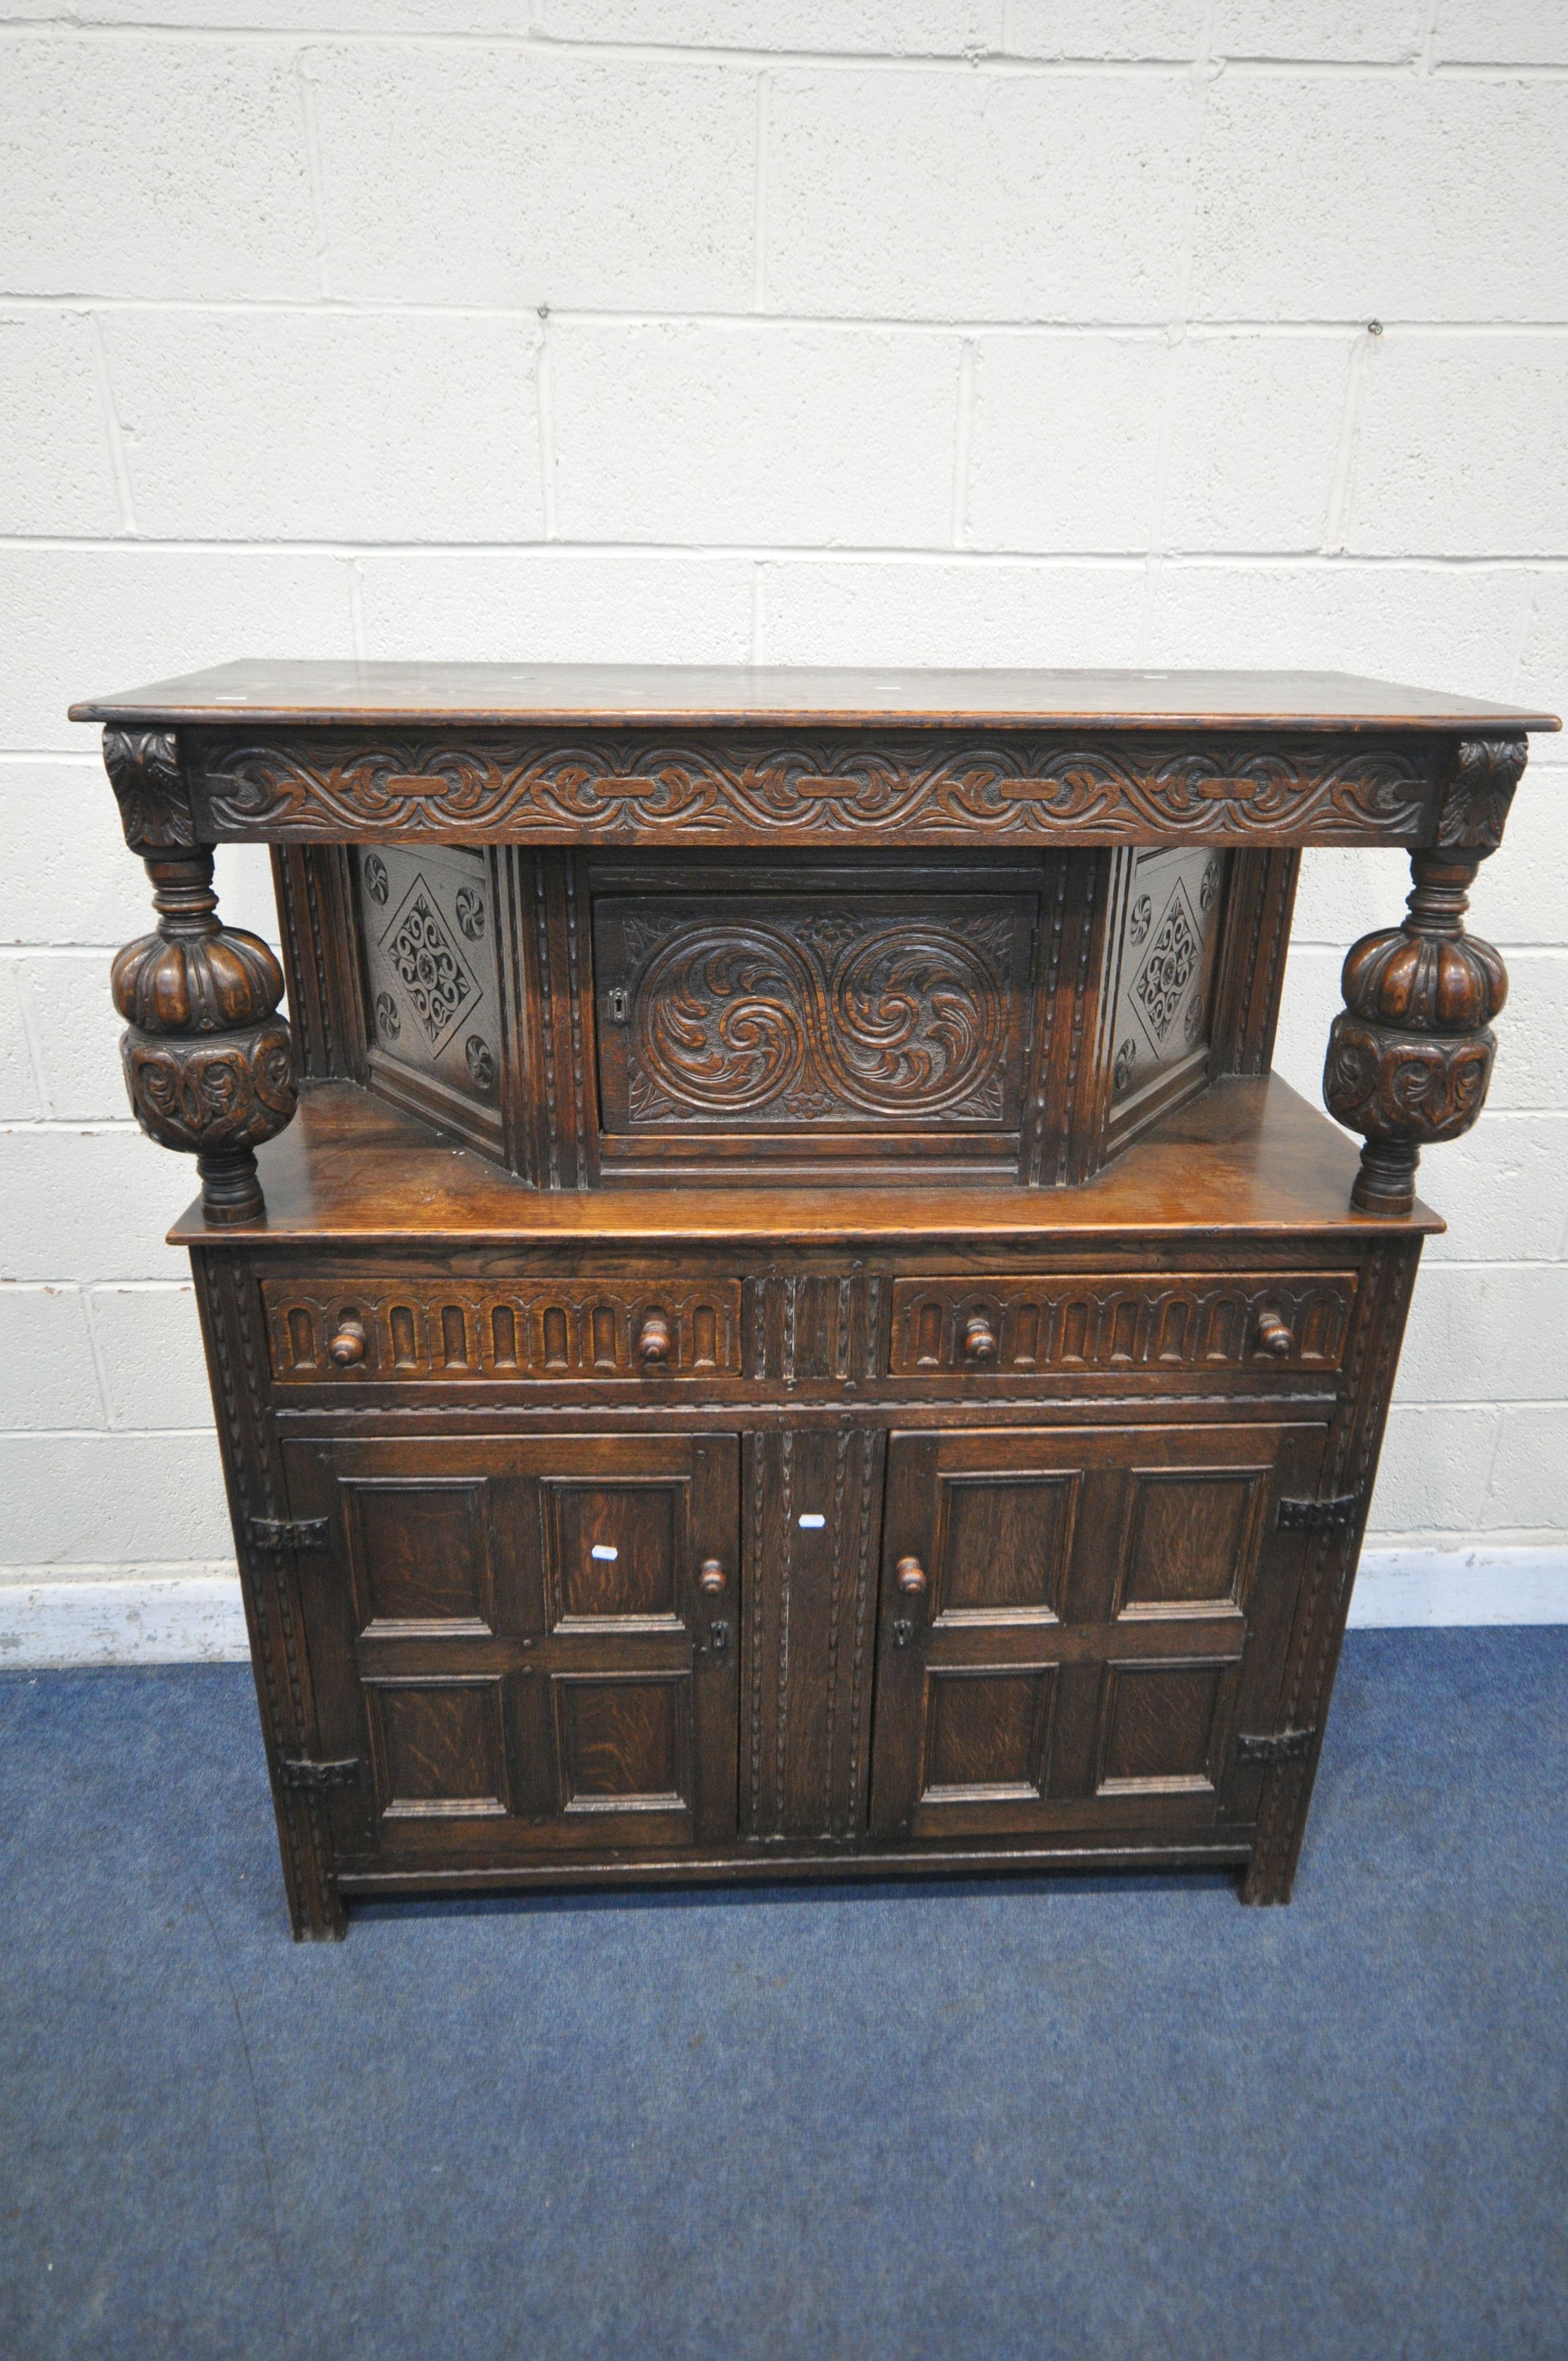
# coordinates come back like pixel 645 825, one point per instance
pixel 209 1064
pixel 1410 1054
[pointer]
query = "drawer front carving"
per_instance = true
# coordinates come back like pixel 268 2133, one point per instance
pixel 1061 1326
pixel 619 1328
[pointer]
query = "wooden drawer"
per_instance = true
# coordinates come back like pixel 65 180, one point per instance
pixel 1196 1322
pixel 380 1329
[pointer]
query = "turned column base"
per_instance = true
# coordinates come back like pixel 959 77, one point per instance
pixel 231 1189
pixel 1387 1181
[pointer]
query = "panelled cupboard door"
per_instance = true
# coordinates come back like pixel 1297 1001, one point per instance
pixel 1075 1625
pixel 526 1644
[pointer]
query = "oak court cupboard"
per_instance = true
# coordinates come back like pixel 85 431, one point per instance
pixel 765 1312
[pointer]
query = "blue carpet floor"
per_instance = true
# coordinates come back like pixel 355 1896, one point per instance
pixel 1116 2117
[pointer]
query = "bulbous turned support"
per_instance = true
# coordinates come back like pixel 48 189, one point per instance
pixel 209 1064
pixel 1410 1055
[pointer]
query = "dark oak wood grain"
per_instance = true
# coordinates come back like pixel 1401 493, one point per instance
pixel 794 1332
pixel 326 693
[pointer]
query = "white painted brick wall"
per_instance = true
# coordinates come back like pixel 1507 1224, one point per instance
pixel 968 331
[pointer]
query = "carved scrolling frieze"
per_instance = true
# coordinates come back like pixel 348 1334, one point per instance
pixel 812 786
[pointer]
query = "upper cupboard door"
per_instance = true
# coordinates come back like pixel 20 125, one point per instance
pixel 1075 1625
pixel 526 1644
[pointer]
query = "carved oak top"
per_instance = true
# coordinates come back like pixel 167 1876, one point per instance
pixel 731 696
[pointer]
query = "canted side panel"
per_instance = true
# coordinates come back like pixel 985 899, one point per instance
pixel 1001 1326
pixel 427 925
pixel 467 1331
pixel 1165 967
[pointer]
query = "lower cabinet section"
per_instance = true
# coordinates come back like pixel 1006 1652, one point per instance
pixel 527 1648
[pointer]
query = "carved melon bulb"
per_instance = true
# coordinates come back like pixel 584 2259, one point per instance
pixel 1443 984
pixel 201 984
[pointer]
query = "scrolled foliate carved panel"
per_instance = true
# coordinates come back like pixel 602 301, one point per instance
pixel 812 787
pixel 858 1013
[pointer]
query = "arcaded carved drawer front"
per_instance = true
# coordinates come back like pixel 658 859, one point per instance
pixel 1199 1322
pixel 617 1328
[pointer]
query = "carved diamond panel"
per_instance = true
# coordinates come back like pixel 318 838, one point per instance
pixel 1169 941
pixel 1168 968
pixel 430 958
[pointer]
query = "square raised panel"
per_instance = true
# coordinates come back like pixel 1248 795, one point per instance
pixel 621 1741
pixel 1193 1536
pixel 1162 1725
pixel 1005 1546
pixel 419 1551
pixel 615 1550
pixel 987 1729
pixel 439 1748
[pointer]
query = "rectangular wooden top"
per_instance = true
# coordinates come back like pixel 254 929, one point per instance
pixel 1246 1156
pixel 674 695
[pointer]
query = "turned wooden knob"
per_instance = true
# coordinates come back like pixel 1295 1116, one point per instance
pixel 980 1339
pixel 712 1580
pixel 1274 1335
pixel 910 1576
pixel 653 1340
pixel 347 1343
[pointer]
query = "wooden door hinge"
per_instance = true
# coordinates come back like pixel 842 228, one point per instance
pixel 1279 1746
pixel 1319 1516
pixel 300 1771
pixel 287 1532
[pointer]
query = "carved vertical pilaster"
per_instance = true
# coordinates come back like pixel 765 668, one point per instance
pixel 209 1064
pixel 236 1348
